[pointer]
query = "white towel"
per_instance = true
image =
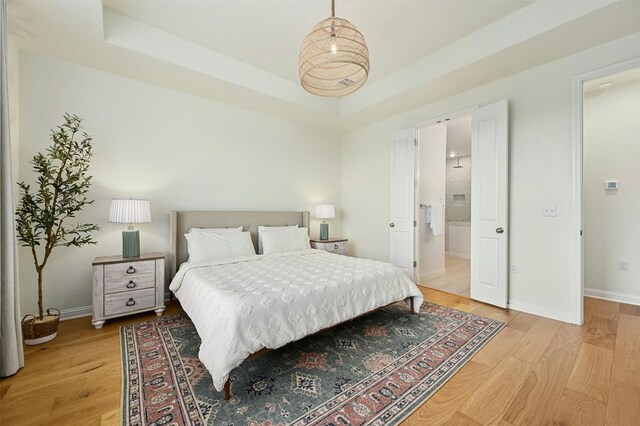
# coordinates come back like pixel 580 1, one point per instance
pixel 436 218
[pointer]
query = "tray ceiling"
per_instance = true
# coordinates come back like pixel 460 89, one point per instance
pixel 245 53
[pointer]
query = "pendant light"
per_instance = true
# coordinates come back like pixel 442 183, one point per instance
pixel 334 58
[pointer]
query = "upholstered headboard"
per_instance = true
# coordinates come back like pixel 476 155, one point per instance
pixel 182 221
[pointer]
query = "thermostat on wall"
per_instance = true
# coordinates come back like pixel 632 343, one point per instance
pixel 612 184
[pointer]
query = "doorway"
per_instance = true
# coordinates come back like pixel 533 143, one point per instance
pixel 611 187
pixel 579 85
pixel 489 205
pixel 444 199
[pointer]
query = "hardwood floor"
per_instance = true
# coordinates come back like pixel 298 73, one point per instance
pixel 457 279
pixel 543 372
pixel 536 371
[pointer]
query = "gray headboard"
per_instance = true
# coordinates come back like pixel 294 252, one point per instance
pixel 182 221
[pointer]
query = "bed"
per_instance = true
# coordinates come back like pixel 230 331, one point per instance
pixel 244 305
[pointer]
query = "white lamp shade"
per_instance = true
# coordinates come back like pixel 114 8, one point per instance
pixel 130 211
pixel 325 211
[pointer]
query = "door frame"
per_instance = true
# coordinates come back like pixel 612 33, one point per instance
pixel 417 177
pixel 577 85
pixel 447 117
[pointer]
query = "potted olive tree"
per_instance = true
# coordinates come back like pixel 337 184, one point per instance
pixel 42 215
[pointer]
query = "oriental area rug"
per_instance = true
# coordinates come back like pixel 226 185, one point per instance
pixel 374 370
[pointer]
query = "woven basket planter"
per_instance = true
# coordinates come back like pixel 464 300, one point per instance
pixel 36 331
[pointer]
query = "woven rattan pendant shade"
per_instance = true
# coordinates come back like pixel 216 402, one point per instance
pixel 334 58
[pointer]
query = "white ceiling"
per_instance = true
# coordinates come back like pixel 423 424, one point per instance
pixel 268 33
pixel 244 53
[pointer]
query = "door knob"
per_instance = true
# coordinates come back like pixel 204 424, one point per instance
pixel 392 225
pixel 499 230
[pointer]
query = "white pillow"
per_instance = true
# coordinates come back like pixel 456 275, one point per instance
pixel 216 230
pixel 263 229
pixel 204 246
pixel 285 241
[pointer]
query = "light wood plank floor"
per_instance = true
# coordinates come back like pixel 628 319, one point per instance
pixel 457 279
pixel 535 372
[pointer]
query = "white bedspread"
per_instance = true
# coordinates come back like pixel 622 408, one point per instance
pixel 242 305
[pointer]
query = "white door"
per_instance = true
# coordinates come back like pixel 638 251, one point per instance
pixel 402 193
pixel 489 204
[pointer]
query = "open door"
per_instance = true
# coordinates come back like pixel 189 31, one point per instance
pixel 489 204
pixel 402 195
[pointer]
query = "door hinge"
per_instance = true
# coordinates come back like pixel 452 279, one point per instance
pixel 415 223
pixel 581 232
pixel 415 142
pixel 415 264
pixel 415 183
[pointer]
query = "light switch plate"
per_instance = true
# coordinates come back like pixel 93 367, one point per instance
pixel 551 211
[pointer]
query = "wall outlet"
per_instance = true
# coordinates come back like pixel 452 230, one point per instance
pixel 551 211
pixel 623 265
pixel 514 269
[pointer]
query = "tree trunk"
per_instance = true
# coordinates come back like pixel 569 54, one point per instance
pixel 40 309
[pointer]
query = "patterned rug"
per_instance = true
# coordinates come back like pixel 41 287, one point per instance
pixel 374 370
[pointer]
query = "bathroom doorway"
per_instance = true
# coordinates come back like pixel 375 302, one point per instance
pixel 417 175
pixel 444 197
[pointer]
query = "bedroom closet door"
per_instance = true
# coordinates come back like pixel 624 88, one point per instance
pixel 402 201
pixel 489 204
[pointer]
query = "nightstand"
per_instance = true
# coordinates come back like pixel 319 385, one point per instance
pixel 333 245
pixel 123 286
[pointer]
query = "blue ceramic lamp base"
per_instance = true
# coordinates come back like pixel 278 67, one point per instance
pixel 130 243
pixel 324 231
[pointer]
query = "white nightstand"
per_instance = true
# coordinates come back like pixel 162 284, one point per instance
pixel 333 245
pixel 123 286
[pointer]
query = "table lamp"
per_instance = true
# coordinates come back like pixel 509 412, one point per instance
pixel 130 211
pixel 325 211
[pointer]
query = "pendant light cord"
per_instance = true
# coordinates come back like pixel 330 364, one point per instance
pixel 333 8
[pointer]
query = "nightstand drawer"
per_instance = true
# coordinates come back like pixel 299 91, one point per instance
pixel 337 247
pixel 128 284
pixel 129 301
pixel 128 269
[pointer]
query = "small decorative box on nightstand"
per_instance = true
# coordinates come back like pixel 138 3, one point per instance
pixel 123 286
pixel 333 245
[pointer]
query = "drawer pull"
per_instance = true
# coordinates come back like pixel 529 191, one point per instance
pixel 130 302
pixel 131 284
pixel 335 246
pixel 131 270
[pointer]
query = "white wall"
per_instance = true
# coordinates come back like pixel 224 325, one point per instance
pixel 178 151
pixel 540 103
pixel 458 183
pixel 432 160
pixel 612 218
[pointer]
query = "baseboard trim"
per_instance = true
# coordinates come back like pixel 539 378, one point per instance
pixel 613 296
pixel 79 312
pixel 466 256
pixel 433 274
pixel 86 311
pixel 542 311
